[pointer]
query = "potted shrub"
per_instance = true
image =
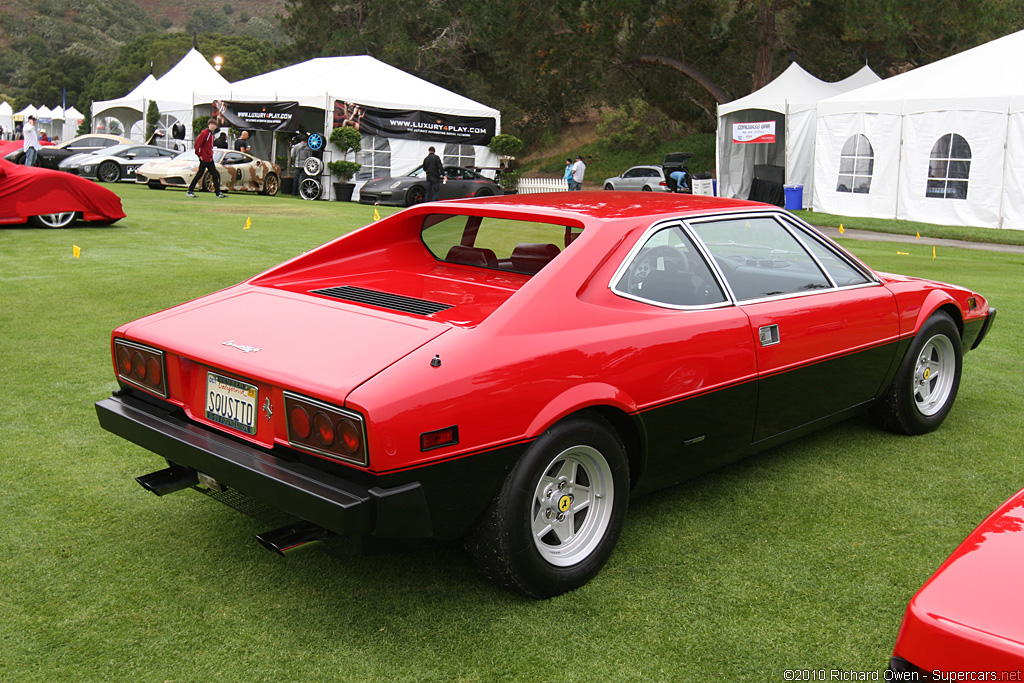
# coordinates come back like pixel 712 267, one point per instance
pixel 507 147
pixel 347 140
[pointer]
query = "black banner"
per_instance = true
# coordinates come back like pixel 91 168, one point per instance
pixel 257 115
pixel 415 125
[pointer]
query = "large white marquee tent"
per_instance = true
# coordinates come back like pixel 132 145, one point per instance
pixel 362 80
pixel 176 93
pixel 939 144
pixel 789 101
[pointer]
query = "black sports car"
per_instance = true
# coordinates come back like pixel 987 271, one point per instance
pixel 411 188
pixel 50 157
pixel 114 163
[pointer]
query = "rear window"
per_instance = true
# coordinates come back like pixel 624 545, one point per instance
pixel 495 243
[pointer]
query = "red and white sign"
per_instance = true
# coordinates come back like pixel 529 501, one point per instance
pixel 752 133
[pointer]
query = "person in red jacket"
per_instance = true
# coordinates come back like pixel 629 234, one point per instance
pixel 204 148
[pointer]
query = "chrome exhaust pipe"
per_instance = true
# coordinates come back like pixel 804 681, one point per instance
pixel 288 539
pixel 174 478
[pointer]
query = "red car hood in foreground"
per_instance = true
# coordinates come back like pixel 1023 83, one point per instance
pixel 27 191
pixel 969 616
pixel 325 347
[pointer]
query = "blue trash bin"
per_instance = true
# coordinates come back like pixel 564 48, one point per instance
pixel 794 197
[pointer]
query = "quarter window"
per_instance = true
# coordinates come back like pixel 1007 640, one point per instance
pixel 760 258
pixel 856 166
pixel 949 168
pixel 669 270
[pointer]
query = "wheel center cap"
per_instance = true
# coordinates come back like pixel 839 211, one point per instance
pixel 927 373
pixel 564 503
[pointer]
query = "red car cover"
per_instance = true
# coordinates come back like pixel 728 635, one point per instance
pixel 28 191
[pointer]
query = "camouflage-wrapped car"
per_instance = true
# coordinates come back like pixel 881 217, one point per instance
pixel 239 172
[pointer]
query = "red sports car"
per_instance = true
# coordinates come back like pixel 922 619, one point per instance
pixel 51 199
pixel 965 623
pixel 511 370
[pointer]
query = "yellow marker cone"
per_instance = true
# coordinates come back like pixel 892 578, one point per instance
pixel 933 251
pixel 918 234
pixel 841 230
pixel 76 251
pixel 376 214
pixel 248 223
pixel 903 253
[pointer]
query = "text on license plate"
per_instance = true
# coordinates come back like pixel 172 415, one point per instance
pixel 231 403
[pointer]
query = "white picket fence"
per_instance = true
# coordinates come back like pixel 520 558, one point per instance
pixel 535 185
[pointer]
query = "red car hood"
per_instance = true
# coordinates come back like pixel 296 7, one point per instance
pixel 326 348
pixel 969 611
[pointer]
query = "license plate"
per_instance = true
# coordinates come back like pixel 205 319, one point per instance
pixel 231 403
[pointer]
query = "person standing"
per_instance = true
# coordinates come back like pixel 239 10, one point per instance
pixel 242 143
pixel 222 141
pixel 204 149
pixel 300 152
pixel 567 176
pixel 31 141
pixel 578 169
pixel 434 169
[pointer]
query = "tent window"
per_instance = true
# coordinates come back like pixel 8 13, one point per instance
pixel 856 164
pixel 459 155
pixel 374 157
pixel 949 168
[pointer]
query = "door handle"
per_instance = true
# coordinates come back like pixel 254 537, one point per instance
pixel 769 335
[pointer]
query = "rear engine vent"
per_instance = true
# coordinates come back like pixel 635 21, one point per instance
pixel 383 300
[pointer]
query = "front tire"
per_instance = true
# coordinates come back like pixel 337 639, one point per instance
pixel 108 172
pixel 926 385
pixel 609 187
pixel 415 195
pixel 559 513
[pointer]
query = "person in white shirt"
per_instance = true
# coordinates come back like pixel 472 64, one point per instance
pixel 31 141
pixel 578 169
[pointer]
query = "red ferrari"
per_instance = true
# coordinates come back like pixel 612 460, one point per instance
pixel 965 623
pixel 51 199
pixel 512 370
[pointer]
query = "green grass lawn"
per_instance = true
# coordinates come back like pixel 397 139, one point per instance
pixel 802 557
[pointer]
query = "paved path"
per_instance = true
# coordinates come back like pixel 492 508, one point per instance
pixel 870 236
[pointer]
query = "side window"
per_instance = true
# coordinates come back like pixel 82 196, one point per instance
pixel 760 258
pixel 856 165
pixel 949 168
pixel 669 270
pixel 842 272
pixel 632 173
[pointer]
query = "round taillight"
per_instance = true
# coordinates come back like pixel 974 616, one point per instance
pixel 124 361
pixel 348 436
pixel 138 366
pixel 299 420
pixel 323 429
pixel 154 373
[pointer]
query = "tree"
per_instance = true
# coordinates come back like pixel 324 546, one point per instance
pixel 152 118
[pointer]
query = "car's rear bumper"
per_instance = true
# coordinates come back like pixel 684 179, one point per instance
pixel 333 502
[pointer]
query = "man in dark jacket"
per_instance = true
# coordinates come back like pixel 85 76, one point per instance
pixel 434 169
pixel 204 148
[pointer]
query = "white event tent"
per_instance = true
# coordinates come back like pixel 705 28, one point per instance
pixel 939 144
pixel 6 118
pixel 318 84
pixel 176 93
pixel 788 102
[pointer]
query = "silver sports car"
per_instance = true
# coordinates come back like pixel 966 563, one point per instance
pixel 114 163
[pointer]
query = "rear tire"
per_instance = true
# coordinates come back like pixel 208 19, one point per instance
pixel 926 385
pixel 64 219
pixel 108 172
pixel 559 513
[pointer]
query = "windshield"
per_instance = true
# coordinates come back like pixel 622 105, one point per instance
pixel 218 154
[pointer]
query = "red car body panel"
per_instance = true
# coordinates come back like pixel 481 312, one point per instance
pixel 515 353
pixel 29 191
pixel 967 617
